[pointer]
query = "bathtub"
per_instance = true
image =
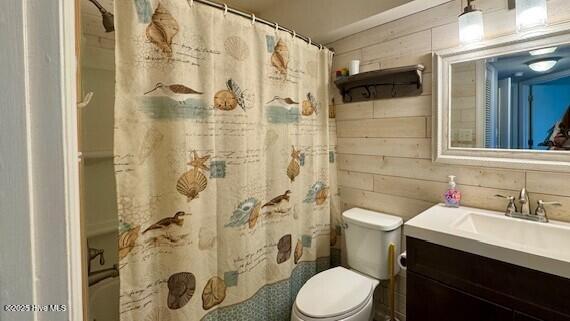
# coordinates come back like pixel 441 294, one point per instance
pixel 104 300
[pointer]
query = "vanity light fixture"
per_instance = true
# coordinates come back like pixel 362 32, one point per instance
pixel 542 51
pixel 470 24
pixel 530 14
pixel 542 65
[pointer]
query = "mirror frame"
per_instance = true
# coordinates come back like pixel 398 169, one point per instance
pixel 442 151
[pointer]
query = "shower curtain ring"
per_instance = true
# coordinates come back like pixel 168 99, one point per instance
pixel 294 34
pixel 321 47
pixel 309 40
pixel 225 9
pixel 191 2
pixel 276 27
pixel 252 18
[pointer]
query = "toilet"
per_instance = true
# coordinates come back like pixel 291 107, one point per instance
pixel 347 294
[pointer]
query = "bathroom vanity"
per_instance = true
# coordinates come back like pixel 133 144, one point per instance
pixel 463 265
pixel 471 264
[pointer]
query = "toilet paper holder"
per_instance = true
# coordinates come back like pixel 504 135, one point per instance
pixel 403 261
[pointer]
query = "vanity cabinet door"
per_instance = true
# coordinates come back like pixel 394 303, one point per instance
pixel 524 317
pixel 430 300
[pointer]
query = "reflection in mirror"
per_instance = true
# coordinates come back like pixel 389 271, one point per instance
pixel 515 101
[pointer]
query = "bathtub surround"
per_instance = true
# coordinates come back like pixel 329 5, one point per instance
pixel 96 144
pixel 224 180
pixel 384 146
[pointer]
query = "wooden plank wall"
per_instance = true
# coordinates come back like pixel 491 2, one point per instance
pixel 463 100
pixel 384 146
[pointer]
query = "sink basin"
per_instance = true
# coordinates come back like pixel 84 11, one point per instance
pixel 541 238
pixel 539 246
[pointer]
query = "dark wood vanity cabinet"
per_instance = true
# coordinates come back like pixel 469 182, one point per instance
pixel 444 284
pixel 522 317
pixel 436 301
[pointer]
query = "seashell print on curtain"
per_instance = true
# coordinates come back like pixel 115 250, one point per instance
pixel 224 162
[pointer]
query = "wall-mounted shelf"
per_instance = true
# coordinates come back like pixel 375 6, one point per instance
pixel 381 84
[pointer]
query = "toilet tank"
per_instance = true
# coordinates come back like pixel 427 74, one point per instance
pixel 368 235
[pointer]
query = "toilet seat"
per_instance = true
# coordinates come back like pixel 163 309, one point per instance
pixel 361 313
pixel 334 295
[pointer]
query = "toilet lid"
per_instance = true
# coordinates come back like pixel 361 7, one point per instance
pixel 334 292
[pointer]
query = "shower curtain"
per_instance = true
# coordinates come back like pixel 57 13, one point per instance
pixel 222 161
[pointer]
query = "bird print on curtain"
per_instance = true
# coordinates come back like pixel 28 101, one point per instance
pixel 223 164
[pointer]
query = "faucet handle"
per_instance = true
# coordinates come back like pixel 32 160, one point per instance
pixel 511 207
pixel 541 211
pixel 555 203
pixel 93 253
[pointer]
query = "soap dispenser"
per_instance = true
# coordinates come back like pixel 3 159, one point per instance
pixel 452 196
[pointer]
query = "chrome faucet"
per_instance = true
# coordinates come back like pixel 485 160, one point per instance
pixel 511 207
pixel 541 211
pixel 95 277
pixel 524 200
pixel 98 276
pixel 525 214
pixel 92 255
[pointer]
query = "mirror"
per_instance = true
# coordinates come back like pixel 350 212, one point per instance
pixel 514 101
pixel 505 102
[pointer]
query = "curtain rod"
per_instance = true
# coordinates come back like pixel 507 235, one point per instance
pixel 256 19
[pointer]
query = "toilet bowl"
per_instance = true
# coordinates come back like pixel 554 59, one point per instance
pixel 347 294
pixel 334 295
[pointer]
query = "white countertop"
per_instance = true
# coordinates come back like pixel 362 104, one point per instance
pixel 540 246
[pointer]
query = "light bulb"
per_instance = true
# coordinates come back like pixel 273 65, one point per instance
pixel 542 65
pixel 471 26
pixel 542 51
pixel 531 13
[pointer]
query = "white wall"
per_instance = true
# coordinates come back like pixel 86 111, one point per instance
pixel 16 271
pixel 40 255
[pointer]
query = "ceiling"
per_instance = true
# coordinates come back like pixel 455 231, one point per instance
pixel 508 65
pixel 255 6
pixel 323 20
pixel 318 19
